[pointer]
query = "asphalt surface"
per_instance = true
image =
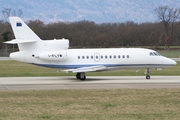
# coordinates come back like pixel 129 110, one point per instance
pixel 92 82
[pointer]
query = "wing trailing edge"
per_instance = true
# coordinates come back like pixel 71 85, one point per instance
pixel 86 69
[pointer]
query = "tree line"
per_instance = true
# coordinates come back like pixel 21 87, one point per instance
pixel 89 34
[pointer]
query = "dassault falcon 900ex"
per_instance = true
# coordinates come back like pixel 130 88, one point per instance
pixel 55 54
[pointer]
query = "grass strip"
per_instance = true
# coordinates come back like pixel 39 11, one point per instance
pixel 11 68
pixel 114 104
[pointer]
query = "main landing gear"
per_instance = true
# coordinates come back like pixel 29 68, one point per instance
pixel 81 76
pixel 147 72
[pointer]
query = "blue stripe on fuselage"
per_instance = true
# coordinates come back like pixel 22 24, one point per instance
pixel 107 65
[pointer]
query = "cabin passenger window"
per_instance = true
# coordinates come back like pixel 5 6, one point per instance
pixel 82 57
pixel 96 57
pixel 114 56
pixel 127 56
pixel 110 56
pixel 87 57
pixel 106 56
pixel 119 56
pixel 101 57
pixel 78 57
pixel 123 56
pixel 91 57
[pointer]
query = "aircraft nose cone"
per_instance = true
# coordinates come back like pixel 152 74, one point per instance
pixel 171 62
pixel 174 62
pixel 168 61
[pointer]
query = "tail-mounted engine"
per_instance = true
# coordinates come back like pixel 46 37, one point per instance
pixel 54 45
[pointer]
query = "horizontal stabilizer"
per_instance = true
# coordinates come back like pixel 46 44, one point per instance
pixel 16 41
pixel 86 69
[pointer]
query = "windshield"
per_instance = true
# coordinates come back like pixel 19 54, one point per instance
pixel 154 54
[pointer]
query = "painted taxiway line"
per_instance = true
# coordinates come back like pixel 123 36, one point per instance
pixel 92 82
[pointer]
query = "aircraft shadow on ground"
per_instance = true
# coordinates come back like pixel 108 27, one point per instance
pixel 102 79
pixel 89 79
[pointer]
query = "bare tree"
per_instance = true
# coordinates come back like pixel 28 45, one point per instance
pixel 168 16
pixel 8 34
pixel 7 12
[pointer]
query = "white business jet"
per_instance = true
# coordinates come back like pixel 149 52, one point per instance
pixel 55 54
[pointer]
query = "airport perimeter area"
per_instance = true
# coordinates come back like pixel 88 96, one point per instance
pixel 107 97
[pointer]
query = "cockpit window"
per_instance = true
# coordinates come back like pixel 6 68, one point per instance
pixel 154 54
pixel 151 54
pixel 158 53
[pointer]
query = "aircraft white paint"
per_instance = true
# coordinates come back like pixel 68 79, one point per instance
pixel 55 54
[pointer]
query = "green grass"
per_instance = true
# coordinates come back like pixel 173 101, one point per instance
pixel 112 104
pixel 17 69
pixel 170 53
pixel 11 68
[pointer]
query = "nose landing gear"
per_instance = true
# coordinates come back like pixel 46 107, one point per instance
pixel 147 76
pixel 147 72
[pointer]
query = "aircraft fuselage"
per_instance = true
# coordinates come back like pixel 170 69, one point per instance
pixel 111 58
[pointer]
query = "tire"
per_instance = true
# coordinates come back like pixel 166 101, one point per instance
pixel 148 77
pixel 78 75
pixel 82 79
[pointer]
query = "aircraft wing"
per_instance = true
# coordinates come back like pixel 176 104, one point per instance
pixel 86 69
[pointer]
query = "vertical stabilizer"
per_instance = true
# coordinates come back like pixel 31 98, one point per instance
pixel 26 39
pixel 21 30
